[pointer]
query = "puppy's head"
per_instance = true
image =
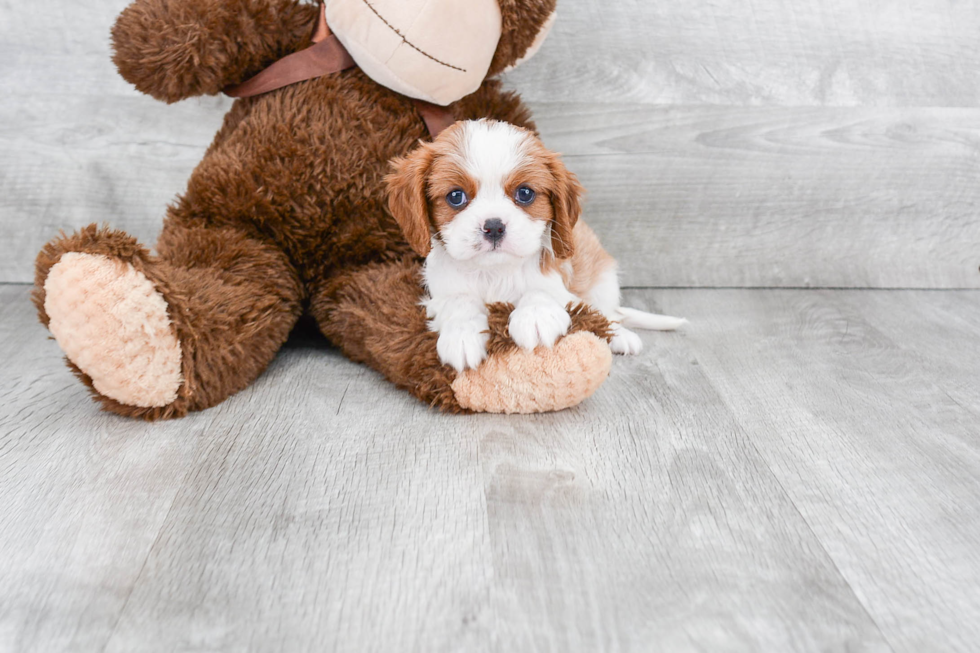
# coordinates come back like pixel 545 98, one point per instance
pixel 489 192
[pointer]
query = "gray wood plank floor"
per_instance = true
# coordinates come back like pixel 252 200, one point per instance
pixel 797 471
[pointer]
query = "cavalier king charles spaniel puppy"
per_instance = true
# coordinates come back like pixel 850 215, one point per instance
pixel 497 217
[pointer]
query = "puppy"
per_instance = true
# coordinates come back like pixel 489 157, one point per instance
pixel 497 217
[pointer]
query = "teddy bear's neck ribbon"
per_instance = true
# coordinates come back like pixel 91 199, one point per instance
pixel 326 56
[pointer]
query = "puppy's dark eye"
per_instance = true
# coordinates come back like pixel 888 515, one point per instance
pixel 457 198
pixel 524 195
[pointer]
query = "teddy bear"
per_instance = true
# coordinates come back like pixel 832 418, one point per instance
pixel 285 215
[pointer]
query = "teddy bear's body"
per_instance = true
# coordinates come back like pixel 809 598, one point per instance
pixel 284 214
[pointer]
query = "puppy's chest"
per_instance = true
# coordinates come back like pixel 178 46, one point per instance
pixel 490 286
pixel 508 288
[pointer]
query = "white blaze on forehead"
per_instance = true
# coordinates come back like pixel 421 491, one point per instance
pixel 492 151
pixel 489 152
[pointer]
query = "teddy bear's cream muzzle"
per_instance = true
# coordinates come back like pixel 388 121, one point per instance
pixel 433 50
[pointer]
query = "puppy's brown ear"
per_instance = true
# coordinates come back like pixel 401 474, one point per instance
pixel 566 205
pixel 407 200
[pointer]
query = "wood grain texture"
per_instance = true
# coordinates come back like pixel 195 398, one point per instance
pixel 765 52
pixel 323 510
pixel 865 405
pixel 777 197
pixel 644 521
pixel 729 195
pixel 79 144
pixel 83 494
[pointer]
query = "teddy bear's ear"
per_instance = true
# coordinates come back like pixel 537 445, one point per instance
pixel 525 25
pixel 407 201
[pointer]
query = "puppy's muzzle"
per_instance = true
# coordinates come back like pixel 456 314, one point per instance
pixel 493 231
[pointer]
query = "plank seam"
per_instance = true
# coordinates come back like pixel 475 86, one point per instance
pixel 789 498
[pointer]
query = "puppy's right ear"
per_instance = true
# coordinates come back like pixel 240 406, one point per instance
pixel 407 200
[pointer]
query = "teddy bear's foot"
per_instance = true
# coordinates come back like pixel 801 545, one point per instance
pixel 374 314
pixel 516 380
pixel 522 381
pixel 113 325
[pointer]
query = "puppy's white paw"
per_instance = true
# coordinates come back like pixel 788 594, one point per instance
pixel 539 324
pixel 625 341
pixel 463 344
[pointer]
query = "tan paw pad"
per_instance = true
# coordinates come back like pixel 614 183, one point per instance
pixel 112 323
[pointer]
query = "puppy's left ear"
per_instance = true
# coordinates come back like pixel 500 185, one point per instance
pixel 566 205
pixel 407 199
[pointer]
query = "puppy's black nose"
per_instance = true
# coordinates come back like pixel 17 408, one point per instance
pixel 493 230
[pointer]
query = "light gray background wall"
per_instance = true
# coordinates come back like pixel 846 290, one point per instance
pixel 732 143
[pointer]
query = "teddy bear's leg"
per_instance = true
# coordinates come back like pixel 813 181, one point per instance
pixel 175 49
pixel 158 336
pixel 373 314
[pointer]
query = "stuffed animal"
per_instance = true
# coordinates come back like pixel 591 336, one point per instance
pixel 286 214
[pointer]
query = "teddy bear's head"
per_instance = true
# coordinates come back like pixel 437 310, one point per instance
pixel 439 50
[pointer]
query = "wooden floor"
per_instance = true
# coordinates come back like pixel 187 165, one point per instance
pixel 797 471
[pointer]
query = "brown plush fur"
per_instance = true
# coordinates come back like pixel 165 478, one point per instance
pixel 521 23
pixel 173 49
pixel 584 318
pixel 286 212
pixel 233 301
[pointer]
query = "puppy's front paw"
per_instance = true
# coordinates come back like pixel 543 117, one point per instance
pixel 539 324
pixel 624 341
pixel 463 344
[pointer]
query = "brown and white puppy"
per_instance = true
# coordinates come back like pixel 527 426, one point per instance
pixel 497 217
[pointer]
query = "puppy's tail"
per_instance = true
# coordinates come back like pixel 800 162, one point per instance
pixel 634 319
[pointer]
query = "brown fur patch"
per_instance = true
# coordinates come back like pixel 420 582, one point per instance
pixel 544 172
pixel 175 50
pixel 522 20
pixel 418 184
pixel 588 262
pixel 447 175
pixel 374 314
pixel 535 174
pixel 406 190
pixel 566 204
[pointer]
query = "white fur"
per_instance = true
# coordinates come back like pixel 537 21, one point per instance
pixel 604 296
pixel 538 319
pixel 464 271
pixel 651 321
pixel 460 289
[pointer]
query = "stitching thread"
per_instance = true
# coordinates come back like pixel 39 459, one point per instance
pixel 409 43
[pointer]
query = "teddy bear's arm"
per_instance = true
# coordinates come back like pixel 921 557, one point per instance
pixel 175 49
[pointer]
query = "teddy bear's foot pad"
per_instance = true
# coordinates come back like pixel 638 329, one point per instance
pixel 544 380
pixel 112 324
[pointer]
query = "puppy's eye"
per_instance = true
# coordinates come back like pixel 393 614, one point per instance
pixel 524 195
pixel 457 198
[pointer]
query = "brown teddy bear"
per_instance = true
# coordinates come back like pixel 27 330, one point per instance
pixel 286 212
